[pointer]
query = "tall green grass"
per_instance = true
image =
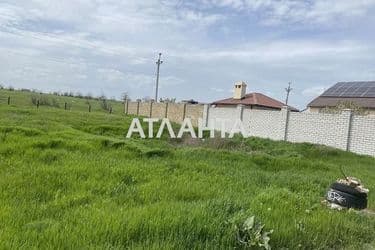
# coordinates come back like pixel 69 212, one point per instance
pixel 70 180
pixel 23 99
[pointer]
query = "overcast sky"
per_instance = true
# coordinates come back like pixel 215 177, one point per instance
pixel 110 46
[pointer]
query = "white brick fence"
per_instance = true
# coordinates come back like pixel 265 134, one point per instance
pixel 344 131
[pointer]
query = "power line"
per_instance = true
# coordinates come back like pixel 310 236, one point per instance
pixel 288 90
pixel 158 63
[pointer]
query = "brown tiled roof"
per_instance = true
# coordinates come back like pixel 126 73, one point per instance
pixel 254 99
pixel 322 102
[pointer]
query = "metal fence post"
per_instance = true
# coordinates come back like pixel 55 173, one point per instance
pixel 205 117
pixel 166 110
pixel 286 112
pixel 349 114
pixel 126 105
pixel 184 112
pixel 151 104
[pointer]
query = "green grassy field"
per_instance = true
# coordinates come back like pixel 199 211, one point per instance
pixel 24 99
pixel 70 180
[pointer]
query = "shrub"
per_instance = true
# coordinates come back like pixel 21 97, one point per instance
pixel 125 97
pixel 169 100
pixel 79 95
pixel 89 96
pixel 44 101
pixel 146 99
pixel 34 100
pixel 105 105
pixel 55 103
pixel 251 233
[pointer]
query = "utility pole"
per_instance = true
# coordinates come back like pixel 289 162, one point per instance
pixel 158 63
pixel 288 90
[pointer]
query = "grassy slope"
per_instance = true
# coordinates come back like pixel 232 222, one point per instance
pixel 23 99
pixel 69 179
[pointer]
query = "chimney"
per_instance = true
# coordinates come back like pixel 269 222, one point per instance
pixel 239 90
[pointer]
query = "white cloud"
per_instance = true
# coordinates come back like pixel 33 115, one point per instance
pixel 111 75
pixel 276 52
pixel 295 11
pixel 171 81
pixel 112 45
pixel 219 90
pixel 201 18
pixel 314 91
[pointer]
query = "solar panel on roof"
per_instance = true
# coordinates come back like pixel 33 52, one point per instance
pixel 329 91
pixel 368 84
pixel 351 89
pixel 360 91
pixel 370 94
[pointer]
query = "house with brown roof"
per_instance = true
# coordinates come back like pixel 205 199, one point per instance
pixel 360 94
pixel 251 100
